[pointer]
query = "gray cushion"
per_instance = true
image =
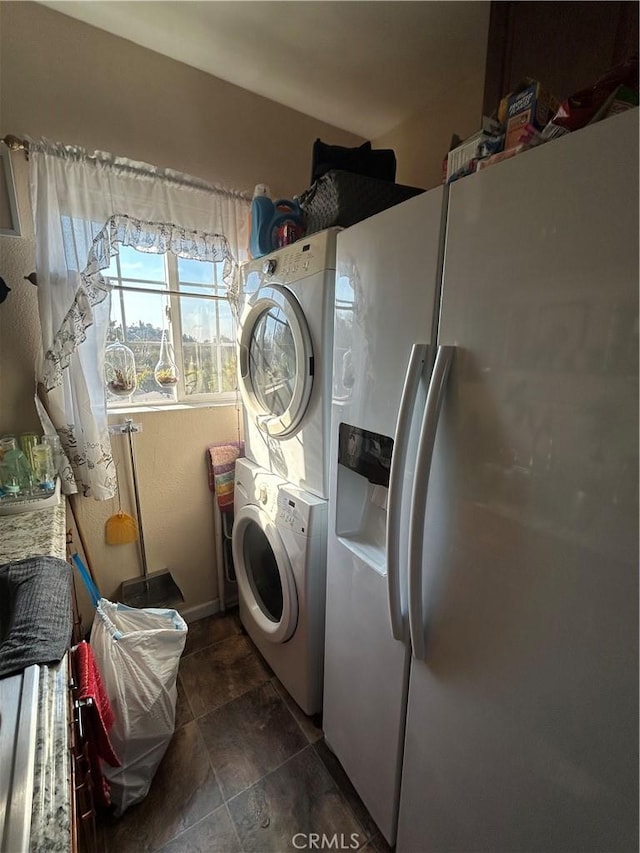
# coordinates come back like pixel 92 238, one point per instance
pixel 35 612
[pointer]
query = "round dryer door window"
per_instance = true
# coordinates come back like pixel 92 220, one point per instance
pixel 276 360
pixel 264 574
pixel 272 362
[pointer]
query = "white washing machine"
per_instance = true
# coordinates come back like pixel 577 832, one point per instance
pixel 285 347
pixel 279 554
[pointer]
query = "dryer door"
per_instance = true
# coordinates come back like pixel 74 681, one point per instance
pixel 275 360
pixel 265 578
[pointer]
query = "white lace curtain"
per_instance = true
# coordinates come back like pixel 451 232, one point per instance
pixel 85 207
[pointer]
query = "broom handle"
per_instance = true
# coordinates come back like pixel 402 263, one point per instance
pixel 134 473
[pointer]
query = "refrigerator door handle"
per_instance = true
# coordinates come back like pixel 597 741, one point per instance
pixel 426 443
pixel 396 476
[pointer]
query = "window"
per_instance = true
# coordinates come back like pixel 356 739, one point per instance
pixel 186 300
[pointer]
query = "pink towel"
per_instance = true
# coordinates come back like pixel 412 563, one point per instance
pixel 221 459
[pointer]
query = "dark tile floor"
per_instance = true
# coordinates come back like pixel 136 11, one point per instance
pixel 246 769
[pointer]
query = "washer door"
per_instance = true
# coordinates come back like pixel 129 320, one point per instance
pixel 275 360
pixel 265 578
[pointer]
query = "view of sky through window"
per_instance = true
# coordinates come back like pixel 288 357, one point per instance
pixel 202 330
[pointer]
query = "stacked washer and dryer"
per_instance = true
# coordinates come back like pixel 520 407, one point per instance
pixel 285 344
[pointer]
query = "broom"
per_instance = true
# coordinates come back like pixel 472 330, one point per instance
pixel 121 528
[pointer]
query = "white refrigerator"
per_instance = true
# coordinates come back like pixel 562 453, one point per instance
pixel 481 667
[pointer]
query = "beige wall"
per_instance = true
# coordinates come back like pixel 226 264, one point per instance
pixel 73 83
pixel 177 506
pixel 19 325
pixel 422 141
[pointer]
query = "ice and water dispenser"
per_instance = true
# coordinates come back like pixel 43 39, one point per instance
pixel 364 464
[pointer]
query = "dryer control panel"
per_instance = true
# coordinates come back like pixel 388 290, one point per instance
pixel 308 256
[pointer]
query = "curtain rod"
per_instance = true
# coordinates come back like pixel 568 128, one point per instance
pixel 16 143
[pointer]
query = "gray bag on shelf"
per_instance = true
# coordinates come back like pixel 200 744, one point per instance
pixel 344 198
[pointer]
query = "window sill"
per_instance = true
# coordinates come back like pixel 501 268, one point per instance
pixel 169 407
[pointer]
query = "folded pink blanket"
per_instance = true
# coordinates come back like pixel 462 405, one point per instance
pixel 221 459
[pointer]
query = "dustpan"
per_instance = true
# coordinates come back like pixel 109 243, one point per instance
pixel 156 589
pixel 121 528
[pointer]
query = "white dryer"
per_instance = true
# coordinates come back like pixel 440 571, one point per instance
pixel 279 554
pixel 285 346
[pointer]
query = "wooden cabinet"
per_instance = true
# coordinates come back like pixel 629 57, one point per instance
pixel 83 810
pixel 566 46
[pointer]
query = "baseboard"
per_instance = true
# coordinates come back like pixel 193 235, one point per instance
pixel 200 611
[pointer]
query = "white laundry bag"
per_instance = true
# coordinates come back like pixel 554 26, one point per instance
pixel 138 652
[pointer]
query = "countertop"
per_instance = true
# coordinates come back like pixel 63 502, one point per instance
pixel 38 806
pixel 31 533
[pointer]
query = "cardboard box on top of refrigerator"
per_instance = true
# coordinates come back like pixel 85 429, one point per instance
pixel 467 151
pixel 528 104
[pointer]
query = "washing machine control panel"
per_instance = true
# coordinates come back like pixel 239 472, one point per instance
pixel 286 505
pixel 290 514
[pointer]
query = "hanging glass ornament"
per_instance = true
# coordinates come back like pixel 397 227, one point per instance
pixel 119 370
pixel 166 372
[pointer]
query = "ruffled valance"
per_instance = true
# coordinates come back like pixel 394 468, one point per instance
pixel 152 237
